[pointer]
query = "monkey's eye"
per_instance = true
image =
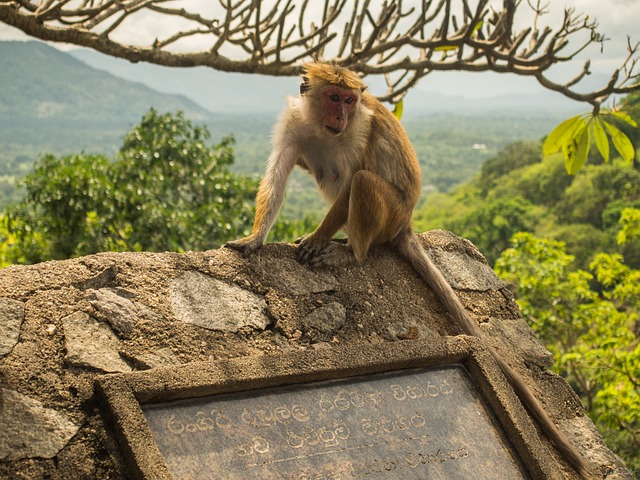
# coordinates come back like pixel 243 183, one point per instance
pixel 334 98
pixel 349 100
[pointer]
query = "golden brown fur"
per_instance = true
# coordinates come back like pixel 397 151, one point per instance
pixel 369 173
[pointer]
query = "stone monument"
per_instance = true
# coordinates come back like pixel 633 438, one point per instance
pixel 209 365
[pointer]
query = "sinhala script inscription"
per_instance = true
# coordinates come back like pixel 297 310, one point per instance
pixel 412 424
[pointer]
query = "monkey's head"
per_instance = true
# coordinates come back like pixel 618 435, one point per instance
pixel 333 93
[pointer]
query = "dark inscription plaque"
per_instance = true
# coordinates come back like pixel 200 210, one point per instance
pixel 428 423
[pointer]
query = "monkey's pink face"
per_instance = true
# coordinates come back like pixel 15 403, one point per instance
pixel 337 105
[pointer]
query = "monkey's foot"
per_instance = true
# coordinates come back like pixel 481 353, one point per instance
pixel 334 255
pixel 246 246
pixel 309 247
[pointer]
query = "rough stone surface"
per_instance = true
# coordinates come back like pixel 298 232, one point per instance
pixel 90 343
pixel 163 357
pixel 28 429
pixel 383 302
pixel 465 272
pixel 327 318
pixel 11 317
pixel 209 303
pixel 119 312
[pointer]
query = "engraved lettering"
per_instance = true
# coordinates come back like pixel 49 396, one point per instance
pixel 342 402
pixel 432 390
pixel 204 422
pixel 396 425
pixel 398 392
pixel 264 417
pixel 417 420
pixel 293 440
pixel 446 388
pixel 260 445
pixel 325 404
pixel 300 413
pixel 175 426
pixel 222 420
pixel 357 400
pixel 257 445
pixel 282 414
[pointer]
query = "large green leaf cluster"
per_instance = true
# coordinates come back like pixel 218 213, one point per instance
pixel 574 136
pixel 167 189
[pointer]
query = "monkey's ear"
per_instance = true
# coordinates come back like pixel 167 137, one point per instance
pixel 304 86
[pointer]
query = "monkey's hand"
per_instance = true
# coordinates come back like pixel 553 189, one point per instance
pixel 310 247
pixel 246 246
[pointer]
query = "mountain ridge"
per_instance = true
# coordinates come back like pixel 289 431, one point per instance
pixel 58 85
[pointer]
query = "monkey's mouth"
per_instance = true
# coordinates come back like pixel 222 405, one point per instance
pixel 333 130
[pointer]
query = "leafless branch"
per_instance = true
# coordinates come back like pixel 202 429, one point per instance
pixel 274 37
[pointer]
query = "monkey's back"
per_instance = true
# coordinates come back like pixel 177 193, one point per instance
pixel 390 153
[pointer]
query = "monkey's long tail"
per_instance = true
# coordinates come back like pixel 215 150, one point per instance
pixel 412 250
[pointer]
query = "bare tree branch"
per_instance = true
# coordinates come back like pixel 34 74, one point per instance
pixel 274 37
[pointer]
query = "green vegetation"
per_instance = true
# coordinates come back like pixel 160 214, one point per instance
pixel 589 320
pixel 166 189
pixel 518 191
pixel 571 247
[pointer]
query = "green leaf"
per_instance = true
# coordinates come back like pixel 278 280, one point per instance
pixel 600 136
pixel 446 48
pixel 398 109
pixel 625 117
pixel 560 135
pixel 576 149
pixel 621 142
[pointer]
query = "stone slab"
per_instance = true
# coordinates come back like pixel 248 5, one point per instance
pixel 412 409
pixel 412 424
pixel 28 429
pixel 216 305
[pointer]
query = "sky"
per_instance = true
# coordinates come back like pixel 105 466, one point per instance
pixel 616 19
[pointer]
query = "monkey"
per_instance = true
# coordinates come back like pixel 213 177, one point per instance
pixel 367 170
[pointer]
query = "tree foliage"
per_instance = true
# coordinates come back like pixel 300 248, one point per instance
pixel 519 190
pixel 167 189
pixel 574 137
pixel 590 320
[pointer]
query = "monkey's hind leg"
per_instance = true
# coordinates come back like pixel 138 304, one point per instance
pixel 375 215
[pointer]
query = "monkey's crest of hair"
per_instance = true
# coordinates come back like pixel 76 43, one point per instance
pixel 332 74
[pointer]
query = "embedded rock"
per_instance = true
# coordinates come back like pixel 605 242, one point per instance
pixel 11 317
pixel 28 429
pixel 91 344
pixel 209 303
pixel 328 318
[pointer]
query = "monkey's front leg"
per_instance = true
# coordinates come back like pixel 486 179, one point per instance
pixel 268 201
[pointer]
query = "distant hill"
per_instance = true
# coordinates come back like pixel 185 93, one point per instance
pixel 220 92
pixel 51 101
pixel 40 82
